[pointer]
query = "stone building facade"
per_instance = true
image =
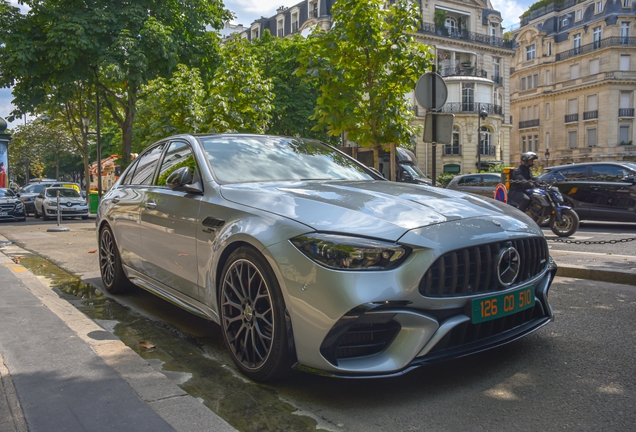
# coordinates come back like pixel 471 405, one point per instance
pixel 573 82
pixel 472 57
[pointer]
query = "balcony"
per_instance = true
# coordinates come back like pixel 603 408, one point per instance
pixel 571 118
pixel 626 112
pixel 498 80
pixel 605 43
pixel 452 150
pixel 528 124
pixel 430 28
pixel 472 108
pixel 590 115
pixel 463 71
pixel 487 150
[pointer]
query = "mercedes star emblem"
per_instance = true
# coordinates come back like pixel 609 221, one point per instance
pixel 508 266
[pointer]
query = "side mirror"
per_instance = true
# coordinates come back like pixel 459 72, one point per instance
pixel 181 180
pixel 407 177
pixel 17 195
pixel 629 179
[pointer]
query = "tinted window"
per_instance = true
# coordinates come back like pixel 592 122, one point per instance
pixel 145 168
pixel 239 159
pixel 492 180
pixel 470 181
pixel 609 172
pixel 571 174
pixel 178 155
pixel 6 193
pixel 64 192
pixel 129 174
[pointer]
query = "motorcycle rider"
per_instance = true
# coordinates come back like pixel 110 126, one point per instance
pixel 522 180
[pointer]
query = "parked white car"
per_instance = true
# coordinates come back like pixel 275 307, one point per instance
pixel 71 203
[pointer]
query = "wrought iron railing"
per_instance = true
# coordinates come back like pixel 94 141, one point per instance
pixel 487 150
pixel 281 33
pixel 569 118
pixel 463 71
pixel 294 26
pixel 466 35
pixel 472 107
pixel 452 150
pixel 498 80
pixel 626 112
pixel 589 115
pixel 528 123
pixel 604 43
pixel 545 10
pixel 313 13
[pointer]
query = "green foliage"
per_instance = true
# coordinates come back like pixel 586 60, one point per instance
pixel 188 162
pixel 540 4
pixel 240 97
pixel 444 179
pixel 366 64
pixel 625 143
pixel 507 35
pixel 439 18
pixel 116 45
pixel 496 168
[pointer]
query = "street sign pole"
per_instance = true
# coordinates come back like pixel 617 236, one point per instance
pixel 434 131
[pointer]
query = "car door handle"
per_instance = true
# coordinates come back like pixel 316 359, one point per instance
pixel 151 204
pixel 115 200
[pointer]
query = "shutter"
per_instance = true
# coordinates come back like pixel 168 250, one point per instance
pixel 625 62
pixel 573 106
pixel 592 104
pixel 626 100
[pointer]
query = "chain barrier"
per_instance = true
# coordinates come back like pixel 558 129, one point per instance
pixel 590 242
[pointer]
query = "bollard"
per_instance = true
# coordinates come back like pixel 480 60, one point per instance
pixel 58 228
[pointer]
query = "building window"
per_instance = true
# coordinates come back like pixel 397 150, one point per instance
pixel 451 25
pixel 254 34
pixel 626 100
pixel 523 144
pixel 468 97
pixel 626 3
pixel 547 77
pixel 280 26
pixel 597 37
pixel 591 137
pixel 572 138
pixel 455 147
pixel 574 71
pixel 530 52
pixel 576 42
pixel 484 136
pixel 594 66
pixel 565 22
pixel 549 49
pixel 599 7
pixel 579 14
pixel 573 106
pixel 495 67
pixel 523 83
pixel 547 111
pixel 624 33
pixel 294 21
pixel 592 104
pixel 624 135
pixel 313 9
pixel 536 143
pixel 625 61
pixel 536 80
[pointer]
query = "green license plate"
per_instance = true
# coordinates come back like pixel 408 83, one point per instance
pixel 501 305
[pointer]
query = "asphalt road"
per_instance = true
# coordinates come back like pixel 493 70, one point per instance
pixel 577 373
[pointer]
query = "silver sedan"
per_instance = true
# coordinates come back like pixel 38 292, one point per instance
pixel 310 261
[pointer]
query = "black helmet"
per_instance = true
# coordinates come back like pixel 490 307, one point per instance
pixel 528 157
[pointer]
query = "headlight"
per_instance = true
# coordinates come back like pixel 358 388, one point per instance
pixel 350 253
pixel 19 205
pixel 83 202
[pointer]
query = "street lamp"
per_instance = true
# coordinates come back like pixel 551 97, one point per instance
pixel 547 157
pixel 483 114
pixel 86 122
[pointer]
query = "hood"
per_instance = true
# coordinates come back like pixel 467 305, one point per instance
pixel 8 200
pixel 378 209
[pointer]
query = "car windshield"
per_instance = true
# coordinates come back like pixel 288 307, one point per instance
pixel 414 170
pixel 241 159
pixel 33 188
pixel 64 192
pixel 4 193
pixel 631 165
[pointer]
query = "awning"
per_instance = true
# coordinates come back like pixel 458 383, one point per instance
pixel 452 10
pixel 452 168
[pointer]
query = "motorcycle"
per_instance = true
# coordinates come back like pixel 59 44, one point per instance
pixel 547 204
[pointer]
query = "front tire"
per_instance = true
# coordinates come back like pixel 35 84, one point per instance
pixel 568 227
pixel 252 313
pixel 36 214
pixel 113 276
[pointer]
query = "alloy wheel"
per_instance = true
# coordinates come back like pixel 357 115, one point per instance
pixel 107 257
pixel 248 314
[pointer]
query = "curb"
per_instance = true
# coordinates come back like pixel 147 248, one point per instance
pixel 601 275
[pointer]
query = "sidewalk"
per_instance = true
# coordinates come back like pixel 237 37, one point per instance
pixel 69 374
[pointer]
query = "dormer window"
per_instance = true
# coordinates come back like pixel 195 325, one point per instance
pixel 565 22
pixel 294 22
pixel 579 14
pixel 254 33
pixel 599 7
pixel 313 9
pixel 626 3
pixel 280 28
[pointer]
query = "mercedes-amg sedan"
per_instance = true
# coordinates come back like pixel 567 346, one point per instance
pixel 308 260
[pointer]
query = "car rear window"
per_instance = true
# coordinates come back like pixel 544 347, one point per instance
pixel 469 181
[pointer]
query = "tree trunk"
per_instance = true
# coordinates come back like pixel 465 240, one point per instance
pixel 376 157
pixel 87 176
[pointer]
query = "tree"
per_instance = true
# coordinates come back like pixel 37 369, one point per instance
pixel 115 45
pixel 294 97
pixel 240 98
pixel 368 61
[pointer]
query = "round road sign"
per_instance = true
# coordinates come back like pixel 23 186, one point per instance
pixel 424 91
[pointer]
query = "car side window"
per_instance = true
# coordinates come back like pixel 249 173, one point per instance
pixel 178 155
pixel 609 173
pixel 576 173
pixel 492 180
pixel 469 181
pixel 130 173
pixel 145 168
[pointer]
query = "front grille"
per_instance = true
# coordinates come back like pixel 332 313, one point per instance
pixel 366 339
pixel 472 270
pixel 468 332
pixel 7 207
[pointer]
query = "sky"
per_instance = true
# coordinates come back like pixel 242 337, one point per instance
pixel 247 11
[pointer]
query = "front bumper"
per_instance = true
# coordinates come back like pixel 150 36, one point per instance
pixel 368 324
pixel 74 211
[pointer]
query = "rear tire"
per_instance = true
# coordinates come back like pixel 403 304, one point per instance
pixel 113 276
pixel 568 227
pixel 252 315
